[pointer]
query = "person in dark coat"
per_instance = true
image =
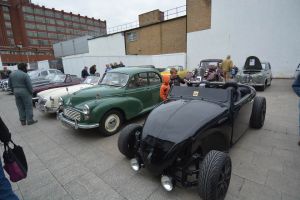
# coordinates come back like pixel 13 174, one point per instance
pixel 93 70
pixel 6 191
pixel 20 83
pixel 84 72
pixel 174 78
pixel 296 88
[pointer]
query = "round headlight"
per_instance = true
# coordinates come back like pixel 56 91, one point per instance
pixel 86 109
pixel 167 183
pixel 60 101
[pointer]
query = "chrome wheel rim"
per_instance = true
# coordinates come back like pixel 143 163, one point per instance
pixel 112 123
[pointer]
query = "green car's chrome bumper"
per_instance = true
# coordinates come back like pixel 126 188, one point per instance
pixel 75 124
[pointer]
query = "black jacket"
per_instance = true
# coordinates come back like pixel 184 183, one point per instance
pixel 5 135
pixel 296 85
pixel 84 73
pixel 176 81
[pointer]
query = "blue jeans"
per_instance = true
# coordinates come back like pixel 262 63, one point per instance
pixel 299 117
pixel 6 192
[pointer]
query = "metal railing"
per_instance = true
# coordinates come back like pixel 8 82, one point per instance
pixel 168 14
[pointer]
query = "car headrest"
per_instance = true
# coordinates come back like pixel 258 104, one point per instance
pixel 231 84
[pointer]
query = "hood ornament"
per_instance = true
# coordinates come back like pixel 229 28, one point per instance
pixel 98 96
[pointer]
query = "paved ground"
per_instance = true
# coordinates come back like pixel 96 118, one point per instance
pixel 67 164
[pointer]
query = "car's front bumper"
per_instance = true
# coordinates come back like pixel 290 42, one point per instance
pixel 75 124
pixel 45 109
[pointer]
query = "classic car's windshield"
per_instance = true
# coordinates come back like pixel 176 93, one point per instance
pixel 58 79
pixel 91 80
pixel 206 64
pixel 115 79
pixel 209 94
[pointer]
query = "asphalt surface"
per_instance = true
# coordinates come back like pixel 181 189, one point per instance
pixel 68 164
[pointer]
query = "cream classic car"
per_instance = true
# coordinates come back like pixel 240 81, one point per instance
pixel 48 100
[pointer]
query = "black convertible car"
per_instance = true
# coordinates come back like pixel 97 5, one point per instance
pixel 186 138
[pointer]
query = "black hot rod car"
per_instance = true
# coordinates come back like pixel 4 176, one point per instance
pixel 186 138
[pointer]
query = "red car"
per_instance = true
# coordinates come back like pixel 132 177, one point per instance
pixel 56 82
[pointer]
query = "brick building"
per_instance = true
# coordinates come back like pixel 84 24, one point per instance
pixel 27 31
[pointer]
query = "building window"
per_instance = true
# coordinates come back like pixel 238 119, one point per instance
pixel 52 35
pixel 33 42
pixel 7 24
pixel 90 22
pixel 131 36
pixel 75 19
pixel 41 27
pixel 11 41
pixel 58 15
pixel 61 36
pixel 27 9
pixel 32 33
pixel 9 33
pixel 50 21
pixel 30 26
pixel 83 26
pixel 67 17
pixel 5 9
pixel 69 31
pixel 38 11
pixel 75 25
pixel 60 22
pixel 51 28
pixel 49 13
pixel 42 34
pixel 6 16
pixel 40 19
pixel 60 29
pixel 82 20
pixel 29 17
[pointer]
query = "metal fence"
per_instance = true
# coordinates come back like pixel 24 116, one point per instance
pixel 168 14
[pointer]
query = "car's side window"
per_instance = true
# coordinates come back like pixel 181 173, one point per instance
pixel 154 78
pixel 44 73
pixel 68 79
pixel 138 80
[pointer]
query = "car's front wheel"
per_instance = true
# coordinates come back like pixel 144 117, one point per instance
pixel 258 114
pixel 111 122
pixel 126 141
pixel 214 175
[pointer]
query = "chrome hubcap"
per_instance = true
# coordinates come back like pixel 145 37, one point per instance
pixel 112 123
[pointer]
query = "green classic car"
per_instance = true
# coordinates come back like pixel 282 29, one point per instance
pixel 123 93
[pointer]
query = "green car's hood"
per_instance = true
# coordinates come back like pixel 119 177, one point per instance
pixel 81 97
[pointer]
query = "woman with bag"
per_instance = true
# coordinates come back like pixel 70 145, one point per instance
pixel 5 186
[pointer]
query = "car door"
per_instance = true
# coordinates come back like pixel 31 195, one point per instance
pixel 241 116
pixel 154 86
pixel 138 88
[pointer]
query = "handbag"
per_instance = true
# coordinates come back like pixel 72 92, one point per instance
pixel 15 163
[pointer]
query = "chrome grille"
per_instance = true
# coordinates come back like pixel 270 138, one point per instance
pixel 72 114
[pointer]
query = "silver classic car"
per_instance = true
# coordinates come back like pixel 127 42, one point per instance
pixel 255 73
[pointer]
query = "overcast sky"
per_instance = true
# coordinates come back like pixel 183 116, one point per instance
pixel 115 12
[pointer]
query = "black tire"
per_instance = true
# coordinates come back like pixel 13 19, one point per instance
pixel 270 82
pixel 111 130
pixel 126 140
pixel 258 114
pixel 214 175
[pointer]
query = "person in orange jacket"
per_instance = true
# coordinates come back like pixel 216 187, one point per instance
pixel 165 87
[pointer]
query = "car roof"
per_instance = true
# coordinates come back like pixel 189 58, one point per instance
pixel 133 70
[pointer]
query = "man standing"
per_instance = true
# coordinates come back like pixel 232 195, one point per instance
pixel 84 72
pixel 296 88
pixel 20 83
pixel 174 78
pixel 93 70
pixel 227 65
